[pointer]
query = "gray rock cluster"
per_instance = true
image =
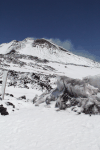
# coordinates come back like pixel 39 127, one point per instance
pixel 82 96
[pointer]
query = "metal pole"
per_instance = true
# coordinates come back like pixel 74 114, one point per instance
pixel 4 83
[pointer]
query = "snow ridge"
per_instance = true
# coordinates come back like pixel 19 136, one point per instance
pixel 44 49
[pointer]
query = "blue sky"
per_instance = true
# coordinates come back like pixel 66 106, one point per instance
pixel 73 24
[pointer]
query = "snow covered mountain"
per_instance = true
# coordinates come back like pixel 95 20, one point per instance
pixel 32 69
pixel 44 49
pixel 36 63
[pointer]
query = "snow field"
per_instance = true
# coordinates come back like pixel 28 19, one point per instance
pixel 42 128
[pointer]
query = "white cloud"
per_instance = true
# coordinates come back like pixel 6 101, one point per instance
pixel 67 44
pixel 82 52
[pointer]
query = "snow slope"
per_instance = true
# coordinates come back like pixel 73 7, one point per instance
pixel 44 49
pixel 43 128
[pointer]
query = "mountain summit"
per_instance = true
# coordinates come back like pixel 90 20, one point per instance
pixel 44 49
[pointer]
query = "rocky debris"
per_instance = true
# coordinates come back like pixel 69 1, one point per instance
pixel 76 94
pixel 16 45
pixel 7 94
pixel 22 97
pixel 43 43
pixel 3 110
pixel 11 95
pixel 36 77
pixel 12 52
pixel 11 104
pixel 44 85
pixel 61 101
pixel 29 80
pixel 36 59
pixel 79 93
pixel 34 99
pixel 48 68
pixel 11 58
pixel 49 98
pixel 15 58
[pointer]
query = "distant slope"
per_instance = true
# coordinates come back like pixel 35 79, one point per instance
pixel 44 49
pixel 44 61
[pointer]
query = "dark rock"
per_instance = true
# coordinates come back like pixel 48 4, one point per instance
pixel 34 99
pixel 45 85
pixel 23 97
pixel 0 82
pixel 47 101
pixel 7 94
pixel 45 61
pixel 9 103
pixel 61 105
pixel 36 77
pixel 3 110
pixel 11 95
pixel 12 52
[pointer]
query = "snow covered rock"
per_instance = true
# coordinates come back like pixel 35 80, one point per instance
pixel 74 93
pixel 93 80
pixel 22 97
